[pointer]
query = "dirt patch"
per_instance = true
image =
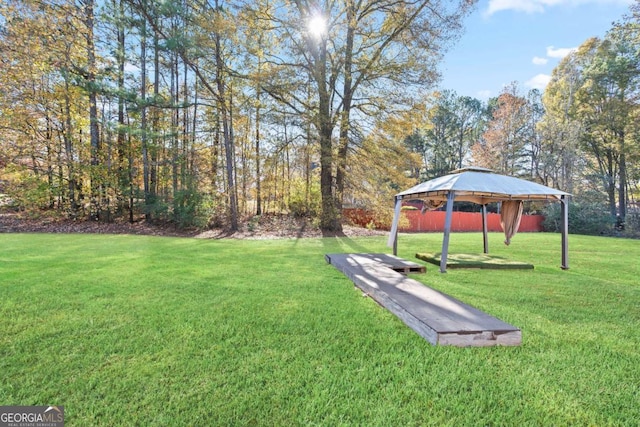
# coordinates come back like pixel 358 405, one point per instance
pixel 263 227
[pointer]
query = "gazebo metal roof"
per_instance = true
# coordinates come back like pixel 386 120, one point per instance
pixel 481 186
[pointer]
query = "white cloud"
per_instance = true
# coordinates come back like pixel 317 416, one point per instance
pixel 539 61
pixel 560 52
pixel 539 6
pixel 539 81
pixel 483 95
pixel 527 6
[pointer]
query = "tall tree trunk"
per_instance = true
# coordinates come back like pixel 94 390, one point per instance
pixel 174 130
pixel 282 153
pixel 258 174
pixel 130 176
pixel 244 163
pixel 194 130
pixel 96 179
pixel 329 220
pixel 124 181
pixel 345 117
pixel 226 130
pixel 288 176
pixel 611 185
pixel 149 200
pixel 49 148
pixel 60 175
pixel 234 158
pixel 215 154
pixel 155 125
pixel 68 148
pixel 622 183
pixel 307 170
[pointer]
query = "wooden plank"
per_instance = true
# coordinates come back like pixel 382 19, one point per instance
pixel 395 263
pixel 437 317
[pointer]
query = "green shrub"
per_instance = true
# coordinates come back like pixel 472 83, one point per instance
pixel 301 204
pixel 632 225
pixel 156 207
pixel 214 210
pixel 585 217
pixel 185 207
pixel 194 209
pixel 30 194
pixel 253 223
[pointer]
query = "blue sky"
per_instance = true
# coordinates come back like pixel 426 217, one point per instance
pixel 523 41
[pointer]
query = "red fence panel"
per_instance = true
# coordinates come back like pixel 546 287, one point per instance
pixel 434 221
pixel 465 221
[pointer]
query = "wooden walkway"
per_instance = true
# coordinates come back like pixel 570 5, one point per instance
pixel 390 261
pixel 437 317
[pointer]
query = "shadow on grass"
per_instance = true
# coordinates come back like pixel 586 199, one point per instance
pixel 342 240
pixel 483 261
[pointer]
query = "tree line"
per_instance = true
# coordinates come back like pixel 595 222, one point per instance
pixel 201 111
pixel 174 108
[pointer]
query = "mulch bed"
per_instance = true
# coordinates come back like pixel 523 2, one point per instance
pixel 264 227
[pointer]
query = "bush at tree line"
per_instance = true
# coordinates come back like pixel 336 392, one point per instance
pixel 585 217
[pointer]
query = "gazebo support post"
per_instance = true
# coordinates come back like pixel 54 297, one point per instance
pixel 485 227
pixel 395 243
pixel 447 232
pixel 564 212
pixel 393 236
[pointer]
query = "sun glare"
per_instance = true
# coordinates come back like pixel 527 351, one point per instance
pixel 317 26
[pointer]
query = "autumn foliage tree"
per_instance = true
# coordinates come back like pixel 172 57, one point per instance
pixel 606 104
pixel 358 56
pixel 504 143
pixel 559 158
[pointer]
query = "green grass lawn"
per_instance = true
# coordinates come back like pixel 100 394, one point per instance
pixel 126 330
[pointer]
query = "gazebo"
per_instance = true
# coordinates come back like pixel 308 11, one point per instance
pixel 481 186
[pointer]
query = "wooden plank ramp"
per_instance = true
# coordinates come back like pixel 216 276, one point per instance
pixel 393 262
pixel 435 316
